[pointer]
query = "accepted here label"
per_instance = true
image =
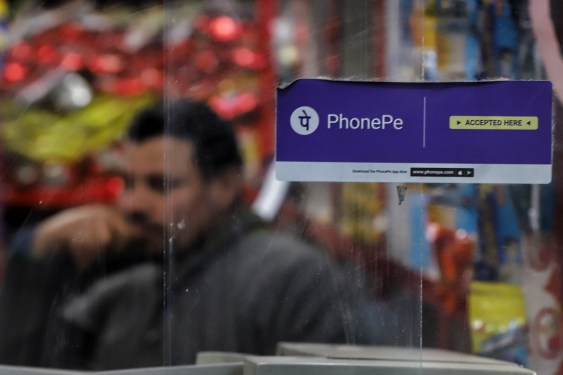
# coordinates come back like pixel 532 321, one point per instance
pixel 494 122
pixel 479 132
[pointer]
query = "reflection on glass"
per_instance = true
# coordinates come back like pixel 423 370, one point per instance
pixel 174 246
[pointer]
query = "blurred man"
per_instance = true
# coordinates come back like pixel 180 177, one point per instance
pixel 179 265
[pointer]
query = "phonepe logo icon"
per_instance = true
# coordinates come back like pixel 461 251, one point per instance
pixel 304 120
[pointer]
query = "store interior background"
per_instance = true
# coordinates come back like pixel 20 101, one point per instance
pixel 476 267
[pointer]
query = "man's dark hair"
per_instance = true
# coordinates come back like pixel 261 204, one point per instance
pixel 214 139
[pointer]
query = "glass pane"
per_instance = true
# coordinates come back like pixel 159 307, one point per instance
pixel 142 222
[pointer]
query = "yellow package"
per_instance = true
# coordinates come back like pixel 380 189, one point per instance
pixel 497 317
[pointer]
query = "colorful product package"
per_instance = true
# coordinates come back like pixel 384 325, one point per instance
pixel 497 317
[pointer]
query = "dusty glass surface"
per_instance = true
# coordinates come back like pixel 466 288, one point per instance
pixel 166 254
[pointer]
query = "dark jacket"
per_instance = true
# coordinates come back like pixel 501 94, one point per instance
pixel 247 290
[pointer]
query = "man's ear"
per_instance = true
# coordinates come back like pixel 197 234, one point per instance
pixel 226 188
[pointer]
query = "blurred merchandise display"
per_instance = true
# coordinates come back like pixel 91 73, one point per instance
pixel 452 40
pixel 361 216
pixel 75 73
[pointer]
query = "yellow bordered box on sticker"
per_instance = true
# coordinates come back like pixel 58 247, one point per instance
pixel 493 122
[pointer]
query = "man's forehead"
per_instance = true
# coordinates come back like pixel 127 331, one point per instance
pixel 157 152
pixel 158 145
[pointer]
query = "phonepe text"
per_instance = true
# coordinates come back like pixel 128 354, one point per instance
pixel 339 121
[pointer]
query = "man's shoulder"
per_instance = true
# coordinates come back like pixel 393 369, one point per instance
pixel 281 250
pixel 274 241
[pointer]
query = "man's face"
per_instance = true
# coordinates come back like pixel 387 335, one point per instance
pixel 165 194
